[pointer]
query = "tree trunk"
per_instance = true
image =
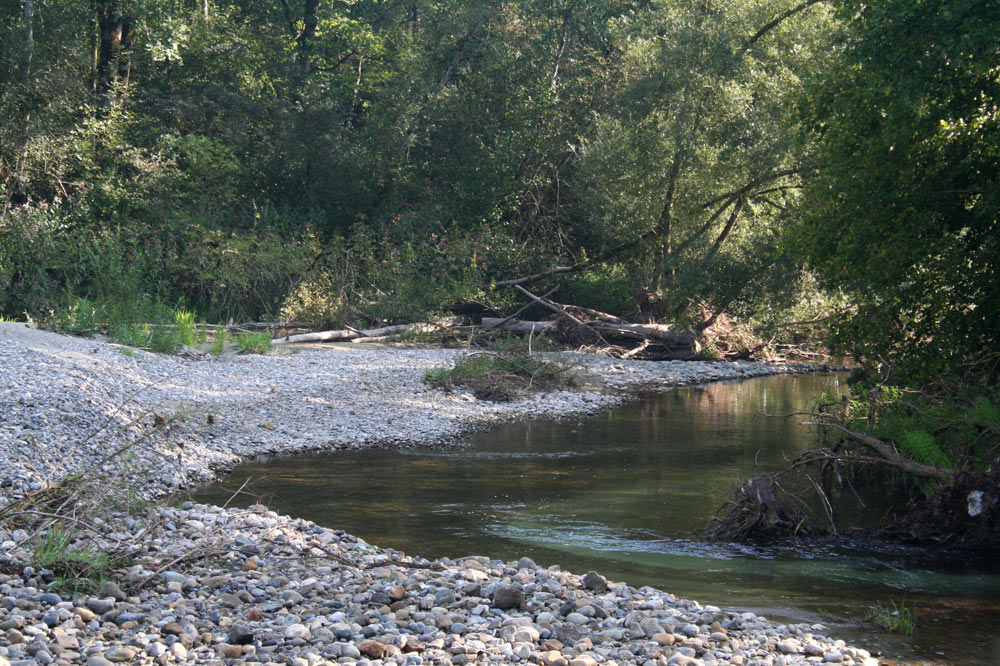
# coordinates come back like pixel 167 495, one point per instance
pixel 29 38
pixel 351 334
pixel 310 20
pixel 115 33
pixel 728 229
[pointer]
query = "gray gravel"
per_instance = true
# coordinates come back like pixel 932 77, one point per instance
pixel 208 585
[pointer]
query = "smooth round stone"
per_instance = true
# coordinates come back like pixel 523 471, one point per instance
pixel 690 630
pixel 577 618
pixel 129 617
pixel 84 614
pixel 526 563
pixel 100 606
pixel 120 654
pixel 296 631
pixel 833 657
pixel 50 599
pixel 444 597
pixel 583 660
pixel 506 597
pixel 552 658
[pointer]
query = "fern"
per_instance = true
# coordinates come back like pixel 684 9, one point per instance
pixel 920 446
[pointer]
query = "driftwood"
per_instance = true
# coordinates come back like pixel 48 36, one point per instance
pixel 355 334
pixel 676 343
pixel 521 309
pixel 515 325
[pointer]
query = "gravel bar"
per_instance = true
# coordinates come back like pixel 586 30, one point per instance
pixel 207 584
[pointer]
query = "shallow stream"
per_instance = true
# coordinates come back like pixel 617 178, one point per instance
pixel 627 493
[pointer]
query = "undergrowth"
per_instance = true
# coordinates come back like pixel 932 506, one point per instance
pixel 253 343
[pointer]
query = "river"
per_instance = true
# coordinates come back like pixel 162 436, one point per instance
pixel 627 493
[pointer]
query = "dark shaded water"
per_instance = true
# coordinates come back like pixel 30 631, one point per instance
pixel 627 493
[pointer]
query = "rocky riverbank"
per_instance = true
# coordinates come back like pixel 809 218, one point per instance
pixel 204 584
pixel 211 585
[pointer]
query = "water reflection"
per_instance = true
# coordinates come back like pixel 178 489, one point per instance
pixel 628 493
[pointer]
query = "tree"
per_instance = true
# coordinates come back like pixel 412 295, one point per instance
pixel 904 209
pixel 699 163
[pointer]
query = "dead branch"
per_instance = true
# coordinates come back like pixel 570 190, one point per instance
pixel 889 454
pixel 522 309
pixel 561 309
pixel 816 320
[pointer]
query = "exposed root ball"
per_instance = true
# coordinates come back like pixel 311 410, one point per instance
pixel 756 511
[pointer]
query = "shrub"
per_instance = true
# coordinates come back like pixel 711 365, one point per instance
pixel 501 376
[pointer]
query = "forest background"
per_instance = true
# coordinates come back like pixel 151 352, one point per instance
pixel 356 162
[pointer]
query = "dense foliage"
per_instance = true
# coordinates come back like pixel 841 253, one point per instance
pixel 377 160
pixel 374 160
pixel 905 205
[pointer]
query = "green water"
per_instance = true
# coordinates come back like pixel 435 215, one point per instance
pixel 627 493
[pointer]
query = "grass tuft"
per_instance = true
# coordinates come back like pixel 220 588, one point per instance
pixel 500 377
pixel 900 620
pixel 254 343
pixel 76 569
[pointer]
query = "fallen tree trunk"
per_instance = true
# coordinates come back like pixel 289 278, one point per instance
pixel 889 454
pixel 517 326
pixel 352 334
pixel 675 342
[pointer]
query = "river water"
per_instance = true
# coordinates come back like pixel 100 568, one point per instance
pixel 627 493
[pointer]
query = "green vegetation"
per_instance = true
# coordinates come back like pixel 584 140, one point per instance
pixel 253 343
pixel 904 205
pixel 900 620
pixel 218 342
pixel 501 376
pixel 76 569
